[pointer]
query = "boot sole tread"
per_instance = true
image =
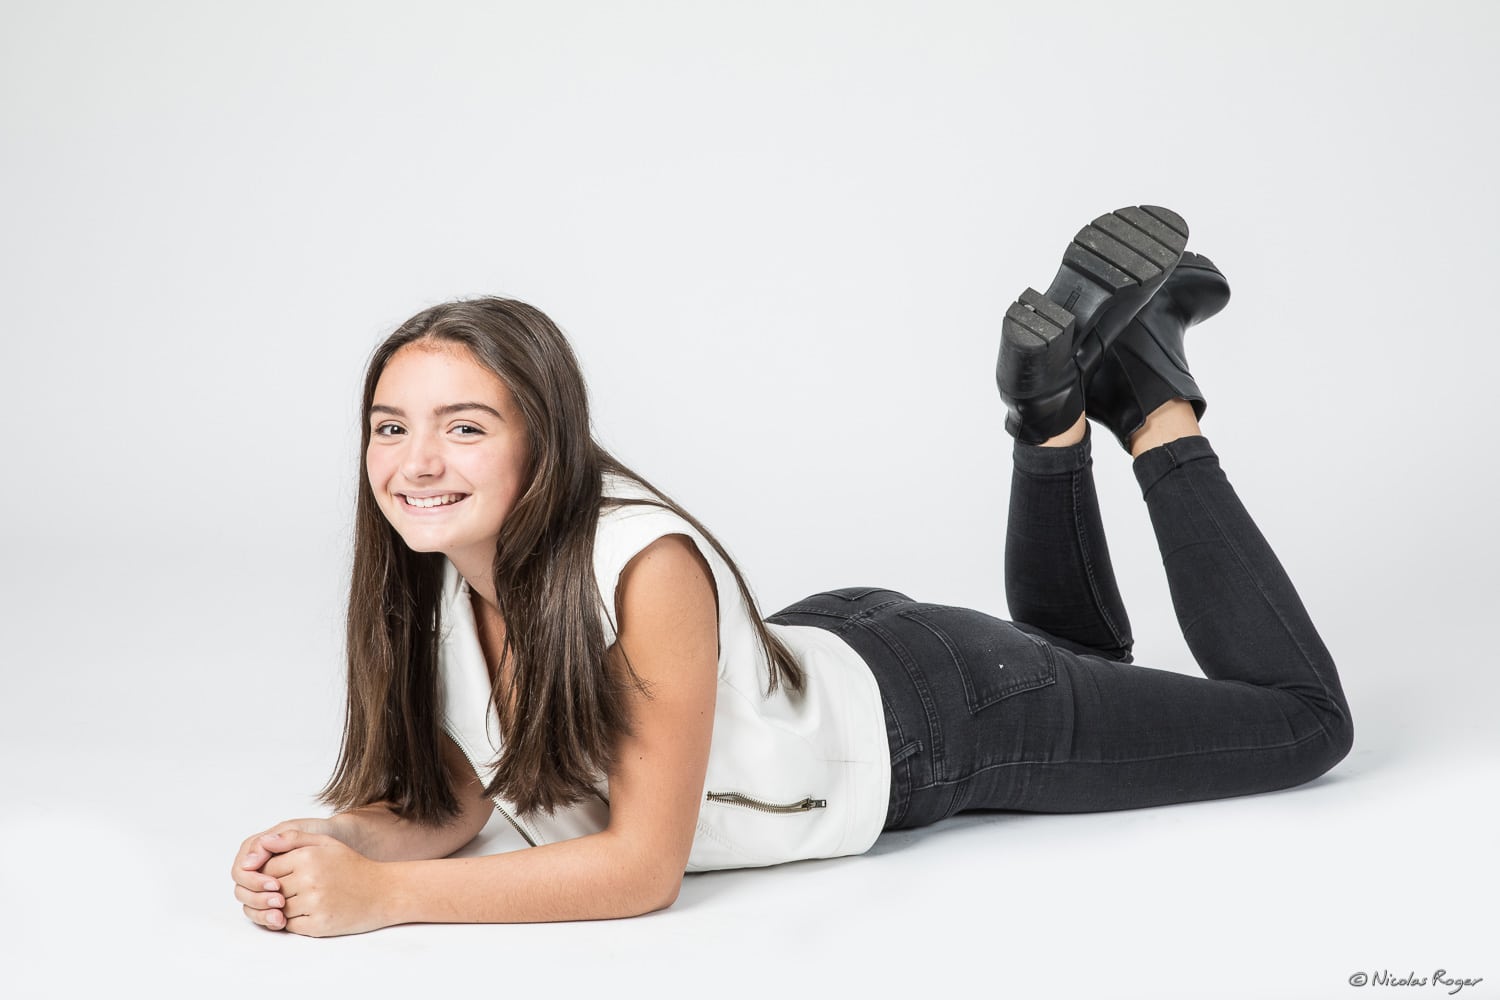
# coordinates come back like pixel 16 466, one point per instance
pixel 1109 267
pixel 1127 247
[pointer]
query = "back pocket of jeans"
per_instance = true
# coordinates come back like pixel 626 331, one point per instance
pixel 994 659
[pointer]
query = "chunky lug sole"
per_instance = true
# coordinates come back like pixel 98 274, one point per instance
pixel 1146 365
pixel 1051 343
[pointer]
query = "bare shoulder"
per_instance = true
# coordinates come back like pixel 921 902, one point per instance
pixel 666 584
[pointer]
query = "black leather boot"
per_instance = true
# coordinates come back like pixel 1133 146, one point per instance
pixel 1051 344
pixel 1145 365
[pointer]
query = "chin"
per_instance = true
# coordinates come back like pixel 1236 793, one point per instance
pixel 415 542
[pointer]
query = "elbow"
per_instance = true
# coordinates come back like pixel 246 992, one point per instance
pixel 649 874
pixel 661 892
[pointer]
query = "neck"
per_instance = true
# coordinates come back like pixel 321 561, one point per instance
pixel 477 574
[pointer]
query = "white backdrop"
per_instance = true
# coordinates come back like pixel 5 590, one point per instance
pixel 781 237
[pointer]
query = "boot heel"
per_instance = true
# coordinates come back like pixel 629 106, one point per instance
pixel 1036 344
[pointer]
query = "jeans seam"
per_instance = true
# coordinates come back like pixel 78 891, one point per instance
pixel 970 697
pixel 1280 619
pixel 1081 531
pixel 929 705
pixel 903 802
pixel 1321 733
pixel 938 750
pixel 823 612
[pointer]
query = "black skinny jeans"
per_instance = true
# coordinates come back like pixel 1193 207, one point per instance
pixel 1048 713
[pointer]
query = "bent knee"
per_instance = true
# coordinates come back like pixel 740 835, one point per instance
pixel 1336 741
pixel 1341 735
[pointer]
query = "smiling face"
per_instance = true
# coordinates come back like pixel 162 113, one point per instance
pixel 447 455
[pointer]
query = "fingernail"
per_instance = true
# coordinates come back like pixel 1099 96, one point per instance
pixel 271 887
pixel 274 901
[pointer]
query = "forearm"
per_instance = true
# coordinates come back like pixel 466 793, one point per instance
pixel 380 835
pixel 589 878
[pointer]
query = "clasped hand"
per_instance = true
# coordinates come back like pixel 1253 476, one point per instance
pixel 297 876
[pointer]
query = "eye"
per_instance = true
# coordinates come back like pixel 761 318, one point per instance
pixel 470 427
pixel 380 431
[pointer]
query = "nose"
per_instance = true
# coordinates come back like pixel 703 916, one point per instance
pixel 423 458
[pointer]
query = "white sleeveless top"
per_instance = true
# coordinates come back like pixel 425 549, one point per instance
pixel 790 776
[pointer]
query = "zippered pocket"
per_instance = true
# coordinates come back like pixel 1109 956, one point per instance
pixel 761 805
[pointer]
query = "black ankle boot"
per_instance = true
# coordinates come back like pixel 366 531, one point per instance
pixel 1145 366
pixel 1050 345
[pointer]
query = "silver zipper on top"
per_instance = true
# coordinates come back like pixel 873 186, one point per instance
pixel 498 808
pixel 736 799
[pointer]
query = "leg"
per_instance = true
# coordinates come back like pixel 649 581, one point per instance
pixel 1270 712
pixel 1238 610
pixel 1059 582
pixel 1172 420
pixel 987 716
pixel 1058 579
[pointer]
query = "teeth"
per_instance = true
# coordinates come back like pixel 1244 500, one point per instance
pixel 435 501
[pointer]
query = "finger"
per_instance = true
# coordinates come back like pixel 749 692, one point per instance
pixel 259 900
pixel 273 919
pixel 247 869
pixel 260 881
pixel 250 856
pixel 289 840
pixel 253 853
pixel 276 870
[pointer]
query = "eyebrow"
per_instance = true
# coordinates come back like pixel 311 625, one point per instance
pixel 439 411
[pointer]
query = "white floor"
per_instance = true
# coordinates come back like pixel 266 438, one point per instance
pixel 1283 895
pixel 115 852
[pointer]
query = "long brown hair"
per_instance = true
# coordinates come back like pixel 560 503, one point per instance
pixel 570 710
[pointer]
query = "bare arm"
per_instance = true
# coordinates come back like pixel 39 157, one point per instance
pixel 380 835
pixel 669 628
pixel 373 831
